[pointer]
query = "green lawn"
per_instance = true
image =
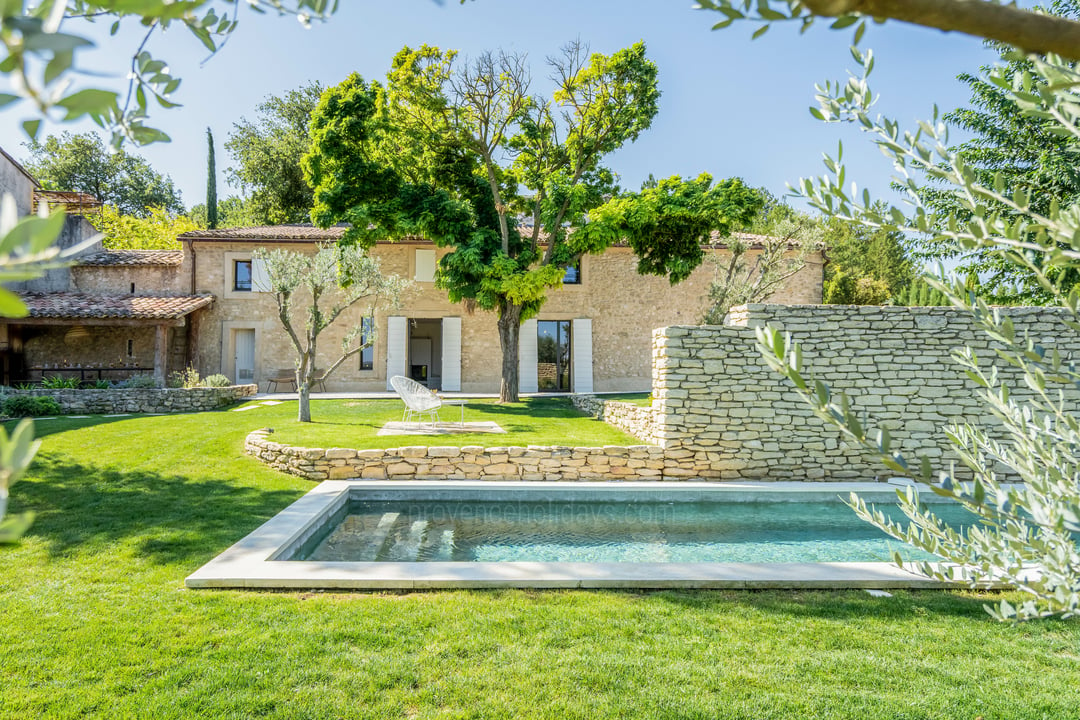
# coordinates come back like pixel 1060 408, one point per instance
pixel 639 399
pixel 353 423
pixel 95 620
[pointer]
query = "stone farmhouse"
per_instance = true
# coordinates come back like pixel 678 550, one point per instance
pixel 122 312
pixel 160 311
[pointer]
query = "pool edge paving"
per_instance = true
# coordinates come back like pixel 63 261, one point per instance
pixel 254 562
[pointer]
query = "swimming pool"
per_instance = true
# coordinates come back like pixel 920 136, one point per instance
pixel 379 534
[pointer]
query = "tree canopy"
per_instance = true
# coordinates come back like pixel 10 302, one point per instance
pixel 1023 152
pixel 157 231
pixel 464 154
pixel 266 154
pixel 82 163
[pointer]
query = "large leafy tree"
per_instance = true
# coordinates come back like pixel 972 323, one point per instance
pixel 465 155
pixel 867 266
pixel 267 153
pixel 82 162
pixel 157 231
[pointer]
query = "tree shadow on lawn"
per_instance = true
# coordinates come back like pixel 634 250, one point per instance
pixel 179 519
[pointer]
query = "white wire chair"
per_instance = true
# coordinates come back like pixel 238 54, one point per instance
pixel 419 401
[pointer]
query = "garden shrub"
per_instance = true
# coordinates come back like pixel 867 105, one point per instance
pixel 217 380
pixel 56 382
pixel 28 406
pixel 138 381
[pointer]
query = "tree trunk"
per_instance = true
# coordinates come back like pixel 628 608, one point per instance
pixel 509 330
pixel 304 413
pixel 303 386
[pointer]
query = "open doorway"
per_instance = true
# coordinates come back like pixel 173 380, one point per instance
pixel 425 352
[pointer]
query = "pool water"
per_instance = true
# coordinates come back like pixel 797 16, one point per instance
pixel 597 532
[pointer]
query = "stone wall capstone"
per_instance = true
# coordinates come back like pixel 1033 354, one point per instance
pixel 718 401
pixel 141 400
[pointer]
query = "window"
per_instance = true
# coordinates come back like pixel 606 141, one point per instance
pixel 367 355
pixel 425 266
pixel 130 348
pixel 573 274
pixel 242 275
pixel 553 355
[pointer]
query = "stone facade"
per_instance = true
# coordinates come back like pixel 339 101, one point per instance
pixel 632 419
pixel 623 308
pixel 535 463
pixel 718 401
pixel 141 400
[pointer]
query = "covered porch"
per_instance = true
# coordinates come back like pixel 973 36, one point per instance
pixel 100 337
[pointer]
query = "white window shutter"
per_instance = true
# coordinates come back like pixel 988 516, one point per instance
pixel 451 354
pixel 425 266
pixel 260 278
pixel 397 350
pixel 527 380
pixel 581 356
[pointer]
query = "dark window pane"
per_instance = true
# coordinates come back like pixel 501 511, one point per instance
pixel 553 355
pixel 242 275
pixel 367 355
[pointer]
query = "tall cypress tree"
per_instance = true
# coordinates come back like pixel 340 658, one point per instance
pixel 211 183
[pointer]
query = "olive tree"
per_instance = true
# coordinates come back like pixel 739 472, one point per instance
pixel 740 277
pixel 344 277
pixel 1026 534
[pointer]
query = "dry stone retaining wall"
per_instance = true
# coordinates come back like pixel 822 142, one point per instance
pixel 141 400
pixel 632 419
pixel 717 400
pixel 635 462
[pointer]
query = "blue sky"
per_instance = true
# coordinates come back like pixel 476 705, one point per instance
pixel 730 106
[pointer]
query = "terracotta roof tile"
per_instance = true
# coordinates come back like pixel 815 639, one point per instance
pixel 268 232
pixel 310 233
pixel 81 305
pixel 134 257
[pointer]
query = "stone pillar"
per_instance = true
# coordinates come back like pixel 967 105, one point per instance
pixel 161 348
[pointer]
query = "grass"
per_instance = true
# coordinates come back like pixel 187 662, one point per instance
pixel 639 399
pixel 96 621
pixel 345 423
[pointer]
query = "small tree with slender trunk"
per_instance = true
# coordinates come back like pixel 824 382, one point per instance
pixel 343 276
pixel 741 278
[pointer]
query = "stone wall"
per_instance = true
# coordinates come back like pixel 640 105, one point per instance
pixel 717 400
pixel 636 462
pixel 633 419
pixel 624 308
pixel 141 400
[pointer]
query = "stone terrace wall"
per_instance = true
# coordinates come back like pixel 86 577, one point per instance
pixel 718 400
pixel 633 419
pixel 636 462
pixel 141 400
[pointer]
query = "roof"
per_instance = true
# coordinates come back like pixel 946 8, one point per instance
pixel 18 166
pixel 134 258
pixel 309 233
pixel 306 233
pixel 70 305
pixel 70 201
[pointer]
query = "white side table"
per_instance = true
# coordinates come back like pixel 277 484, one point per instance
pixel 460 402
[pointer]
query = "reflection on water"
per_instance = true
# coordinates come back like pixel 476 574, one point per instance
pixel 410 531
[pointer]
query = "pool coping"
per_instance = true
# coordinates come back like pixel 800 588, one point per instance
pixel 252 562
